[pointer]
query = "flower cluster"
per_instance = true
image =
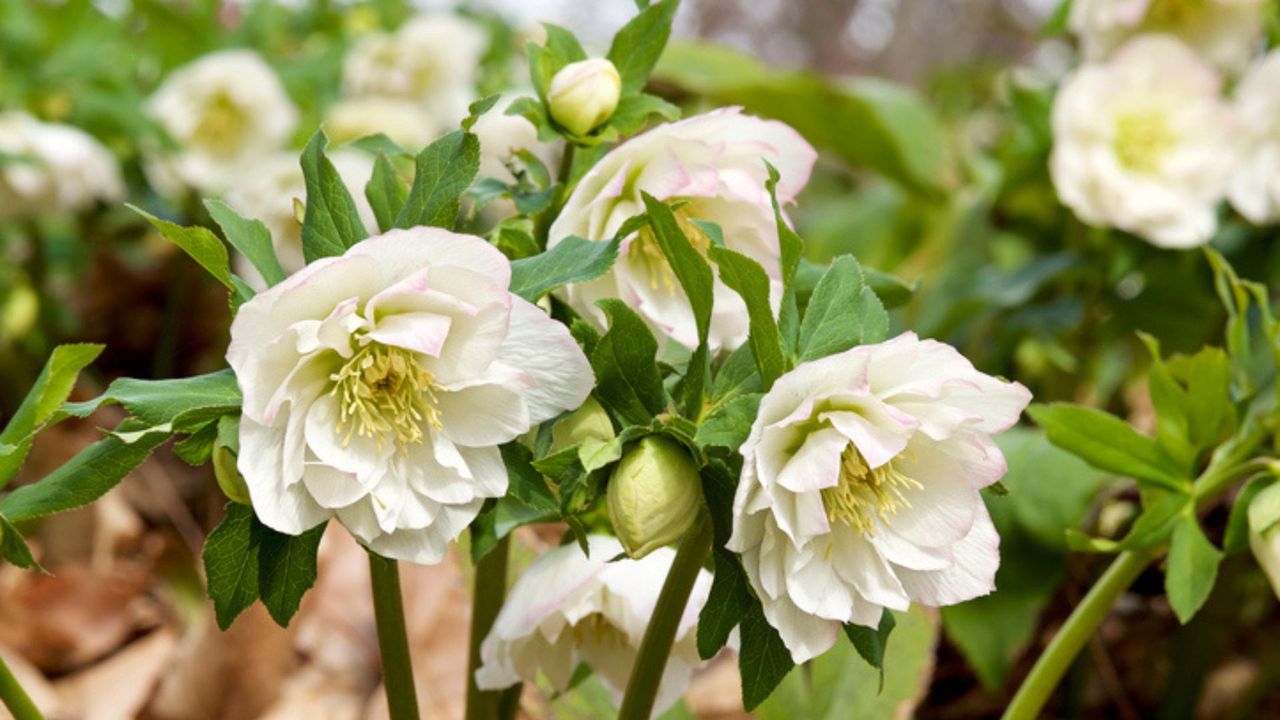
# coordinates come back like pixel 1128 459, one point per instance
pixel 50 167
pixel 1145 140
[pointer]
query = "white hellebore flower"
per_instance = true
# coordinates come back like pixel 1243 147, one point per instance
pixel 1264 533
pixel 859 488
pixel 268 190
pixel 53 168
pixel 568 608
pixel 584 94
pixel 378 385
pixel 432 60
pixel 1226 33
pixel 1144 143
pixel 1255 187
pixel 225 110
pixel 715 163
pixel 404 121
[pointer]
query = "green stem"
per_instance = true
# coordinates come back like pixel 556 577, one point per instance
pixel 548 216
pixel 1057 658
pixel 642 687
pixel 393 641
pixel 15 698
pixel 489 592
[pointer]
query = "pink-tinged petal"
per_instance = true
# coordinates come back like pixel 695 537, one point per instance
pixel 421 332
pixel 473 343
pixel 288 508
pixel 402 253
pixel 977 557
pixel 878 442
pixel 545 350
pixel 816 465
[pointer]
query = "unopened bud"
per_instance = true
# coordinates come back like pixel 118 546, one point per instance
pixel 229 477
pixel 584 94
pixel 589 422
pixel 654 496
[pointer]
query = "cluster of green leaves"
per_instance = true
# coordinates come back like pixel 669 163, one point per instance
pixel 1212 416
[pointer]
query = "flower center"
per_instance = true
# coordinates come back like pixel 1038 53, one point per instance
pixel 222 125
pixel 646 251
pixel 864 493
pixel 384 392
pixel 1142 138
pixel 595 629
pixel 1173 14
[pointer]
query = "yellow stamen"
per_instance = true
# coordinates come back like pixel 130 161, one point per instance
pixel 384 390
pixel 1142 139
pixel 864 493
pixel 597 630
pixel 222 125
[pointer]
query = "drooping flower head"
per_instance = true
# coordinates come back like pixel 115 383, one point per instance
pixel 859 487
pixel 1144 143
pixel 1255 186
pixel 715 163
pixel 378 384
pixel 52 167
pixel 1226 33
pixel 432 60
pixel 569 608
pixel 225 110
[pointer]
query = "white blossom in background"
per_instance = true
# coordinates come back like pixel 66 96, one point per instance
pixel 432 59
pixel 859 488
pixel 50 167
pixel 1145 143
pixel 267 191
pixel 1255 186
pixel 715 163
pixel 1264 533
pixel 378 386
pixel 502 136
pixel 225 111
pixel 404 121
pixel 1226 33
pixel 568 608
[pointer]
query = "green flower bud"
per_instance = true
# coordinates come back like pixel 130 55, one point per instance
pixel 654 496
pixel 229 477
pixel 587 422
pixel 584 94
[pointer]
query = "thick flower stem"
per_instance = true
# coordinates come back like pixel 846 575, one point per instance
pixel 1062 651
pixel 487 596
pixel 15 698
pixel 393 642
pixel 651 661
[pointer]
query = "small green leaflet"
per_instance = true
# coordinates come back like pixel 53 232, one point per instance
pixel 745 277
pixel 50 390
pixel 729 424
pixel 1192 568
pixel 183 403
pixel 572 260
pixel 204 247
pixel 286 570
pixel 1108 443
pixel 871 642
pixel 764 660
pixel 385 192
pixel 250 237
pixel 331 223
pixel 443 170
pixel 638 45
pixel 726 604
pixel 627 377
pixel 14 548
pixel 842 312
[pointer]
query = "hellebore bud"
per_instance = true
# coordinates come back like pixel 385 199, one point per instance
pixel 654 496
pixel 589 422
pixel 1264 533
pixel 584 94
pixel 229 477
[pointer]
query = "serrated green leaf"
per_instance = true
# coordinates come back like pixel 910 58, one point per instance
pixel 1191 570
pixel 1108 443
pixel 745 277
pixel 638 45
pixel 729 424
pixel 84 478
pixel 572 260
pixel 528 500
pixel 231 564
pixel 331 223
pixel 196 449
pixel 829 326
pixel 286 570
pixel 50 390
pixel 871 642
pixel 443 170
pixel 627 377
pixel 763 660
pixel 200 243
pixel 178 402
pixel 250 237
pixel 13 547
pixel 386 193
pixel 727 602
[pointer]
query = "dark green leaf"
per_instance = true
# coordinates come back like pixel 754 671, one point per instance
pixel 231 563
pixel 200 243
pixel 871 642
pixel 745 277
pixel 386 193
pixel 729 424
pixel 196 449
pixel 442 173
pixel 14 548
pixel 1108 443
pixel 331 223
pixel 571 260
pixel 637 46
pixel 763 660
pixel 250 237
pixel 286 570
pixel 1192 568
pixel 160 402
pixel 627 377
pixel 726 604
